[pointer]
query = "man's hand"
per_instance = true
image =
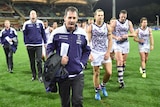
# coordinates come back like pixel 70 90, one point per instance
pixel 90 57
pixel 64 60
pixel 141 40
pixel 151 47
pixel 107 55
pixel 125 36
pixel 118 38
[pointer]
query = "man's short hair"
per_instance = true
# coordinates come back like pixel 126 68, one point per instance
pixel 98 10
pixel 123 11
pixel 142 19
pixel 72 9
pixel 113 18
pixel 32 12
pixel 46 21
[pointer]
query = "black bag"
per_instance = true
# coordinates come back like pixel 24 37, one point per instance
pixel 60 76
pixel 53 72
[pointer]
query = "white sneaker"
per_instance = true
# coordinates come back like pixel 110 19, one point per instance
pixel 140 70
pixel 144 75
pixel 101 67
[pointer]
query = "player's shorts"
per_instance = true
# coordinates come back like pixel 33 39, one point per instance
pixel 98 58
pixel 122 47
pixel 144 48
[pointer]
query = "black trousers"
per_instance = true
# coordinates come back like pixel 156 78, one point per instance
pixel 9 56
pixel 35 57
pixel 71 91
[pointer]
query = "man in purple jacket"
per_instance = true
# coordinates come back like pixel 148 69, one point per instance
pixel 34 33
pixel 75 39
pixel 9 41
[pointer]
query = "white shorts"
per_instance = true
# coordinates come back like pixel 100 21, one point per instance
pixel 123 47
pixel 144 48
pixel 98 58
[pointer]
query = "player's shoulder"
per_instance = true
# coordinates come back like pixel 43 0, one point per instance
pixel 129 21
pixel 149 29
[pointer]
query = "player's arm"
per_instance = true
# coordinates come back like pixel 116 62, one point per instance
pixel 109 36
pixel 112 28
pixel 136 36
pixel 151 39
pixel 89 34
pixel 109 39
pixel 131 29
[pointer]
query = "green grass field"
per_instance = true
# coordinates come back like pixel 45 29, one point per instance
pixel 17 89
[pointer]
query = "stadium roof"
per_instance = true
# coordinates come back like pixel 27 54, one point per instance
pixel 85 2
pixel 70 1
pixel 39 1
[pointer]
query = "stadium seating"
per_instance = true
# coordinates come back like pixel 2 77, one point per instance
pixel 18 12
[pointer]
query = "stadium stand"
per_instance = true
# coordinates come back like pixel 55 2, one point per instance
pixel 17 11
pixel 7 12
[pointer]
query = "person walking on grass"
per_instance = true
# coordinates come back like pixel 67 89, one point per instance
pixel 34 34
pixel 146 43
pixel 100 38
pixel 70 42
pixel 120 29
pixel 9 41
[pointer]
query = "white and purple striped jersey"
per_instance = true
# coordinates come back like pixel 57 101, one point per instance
pixel 144 34
pixel 121 28
pixel 99 38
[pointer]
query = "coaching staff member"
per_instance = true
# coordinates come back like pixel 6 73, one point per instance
pixel 34 33
pixel 74 61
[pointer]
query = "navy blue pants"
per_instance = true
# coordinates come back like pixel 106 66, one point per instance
pixel 71 91
pixel 9 56
pixel 35 57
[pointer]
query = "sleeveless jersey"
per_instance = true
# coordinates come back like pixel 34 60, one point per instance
pixel 99 38
pixel 121 28
pixel 144 34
